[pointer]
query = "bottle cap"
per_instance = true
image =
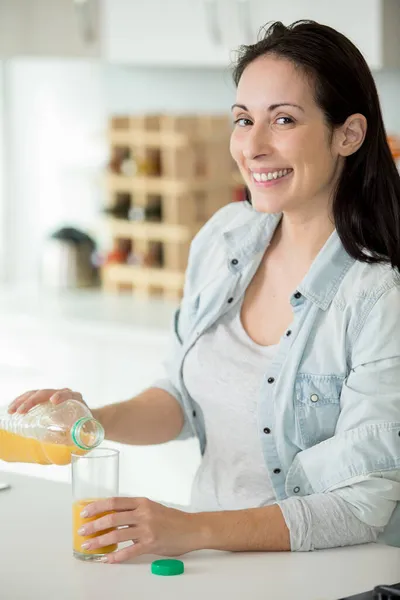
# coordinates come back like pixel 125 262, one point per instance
pixel 167 567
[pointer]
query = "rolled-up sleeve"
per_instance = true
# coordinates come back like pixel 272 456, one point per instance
pixel 324 521
pixel 350 483
pixel 330 520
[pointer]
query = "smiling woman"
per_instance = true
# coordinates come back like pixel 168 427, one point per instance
pixel 285 359
pixel 288 144
pixel 306 96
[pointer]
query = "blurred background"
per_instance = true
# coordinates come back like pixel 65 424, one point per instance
pixel 114 135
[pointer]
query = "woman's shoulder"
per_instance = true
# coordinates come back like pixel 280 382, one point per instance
pixel 371 284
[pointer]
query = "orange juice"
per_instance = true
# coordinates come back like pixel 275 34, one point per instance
pixel 78 522
pixel 17 448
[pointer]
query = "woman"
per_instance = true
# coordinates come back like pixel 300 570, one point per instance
pixel 286 362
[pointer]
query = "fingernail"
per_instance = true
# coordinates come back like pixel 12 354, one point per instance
pixel 84 514
pixel 81 531
pixel 85 546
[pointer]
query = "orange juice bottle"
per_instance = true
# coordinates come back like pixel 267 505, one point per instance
pixel 49 434
pixel 78 521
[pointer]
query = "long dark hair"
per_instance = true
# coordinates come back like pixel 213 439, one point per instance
pixel 366 205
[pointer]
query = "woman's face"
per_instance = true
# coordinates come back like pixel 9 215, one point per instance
pixel 280 140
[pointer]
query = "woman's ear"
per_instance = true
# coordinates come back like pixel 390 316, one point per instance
pixel 350 136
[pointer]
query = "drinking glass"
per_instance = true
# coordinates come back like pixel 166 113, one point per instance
pixel 95 476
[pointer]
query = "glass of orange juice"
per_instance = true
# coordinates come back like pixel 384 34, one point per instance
pixel 95 476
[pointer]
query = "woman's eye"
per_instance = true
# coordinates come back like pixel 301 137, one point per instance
pixel 242 122
pixel 284 120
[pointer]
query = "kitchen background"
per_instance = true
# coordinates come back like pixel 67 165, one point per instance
pixel 68 69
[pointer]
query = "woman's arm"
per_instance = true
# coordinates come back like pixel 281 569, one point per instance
pixel 152 417
pixel 158 529
pixel 248 530
pixel 308 523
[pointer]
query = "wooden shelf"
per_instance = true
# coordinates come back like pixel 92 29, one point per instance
pixel 162 185
pixel 158 139
pixel 192 154
pixel 168 131
pixel 157 232
pixel 142 279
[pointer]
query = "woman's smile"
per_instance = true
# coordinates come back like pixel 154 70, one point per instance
pixel 269 177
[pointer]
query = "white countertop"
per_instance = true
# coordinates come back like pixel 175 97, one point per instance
pixel 86 308
pixel 36 562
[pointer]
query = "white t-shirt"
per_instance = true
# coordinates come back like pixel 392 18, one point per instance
pixel 223 373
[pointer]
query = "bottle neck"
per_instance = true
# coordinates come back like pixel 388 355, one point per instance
pixel 87 433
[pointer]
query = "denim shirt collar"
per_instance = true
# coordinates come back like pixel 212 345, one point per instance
pixel 246 241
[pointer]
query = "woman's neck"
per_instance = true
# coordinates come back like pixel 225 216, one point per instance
pixel 299 240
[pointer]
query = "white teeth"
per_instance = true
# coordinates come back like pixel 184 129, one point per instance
pixel 271 175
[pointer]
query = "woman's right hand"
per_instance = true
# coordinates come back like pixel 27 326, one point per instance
pixel 30 399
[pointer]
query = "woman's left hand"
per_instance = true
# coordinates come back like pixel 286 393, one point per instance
pixel 152 527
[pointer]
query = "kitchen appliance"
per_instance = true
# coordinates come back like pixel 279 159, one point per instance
pixel 67 260
pixel 381 592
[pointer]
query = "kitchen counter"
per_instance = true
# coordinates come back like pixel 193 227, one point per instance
pixel 87 309
pixel 36 562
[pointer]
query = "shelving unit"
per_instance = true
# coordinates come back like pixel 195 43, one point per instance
pixel 168 175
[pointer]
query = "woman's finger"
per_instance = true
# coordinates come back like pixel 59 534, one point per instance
pixel 20 400
pixel 28 400
pixel 38 397
pixel 117 519
pixel 117 504
pixel 65 394
pixel 112 537
pixel 127 553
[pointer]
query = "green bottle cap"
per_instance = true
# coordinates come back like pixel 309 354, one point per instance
pixel 167 567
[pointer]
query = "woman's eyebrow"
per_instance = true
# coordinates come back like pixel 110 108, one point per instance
pixel 271 107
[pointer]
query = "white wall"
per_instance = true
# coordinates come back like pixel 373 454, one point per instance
pixel 3 179
pixel 161 89
pixel 388 84
pixel 56 144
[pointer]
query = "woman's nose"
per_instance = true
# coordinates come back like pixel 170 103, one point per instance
pixel 257 143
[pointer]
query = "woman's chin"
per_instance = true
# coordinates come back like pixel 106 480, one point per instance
pixel 265 205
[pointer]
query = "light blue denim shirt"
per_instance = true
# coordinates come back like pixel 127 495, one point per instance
pixel 329 411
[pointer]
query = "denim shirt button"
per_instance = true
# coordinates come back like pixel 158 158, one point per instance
pixel 296 489
pixel 314 398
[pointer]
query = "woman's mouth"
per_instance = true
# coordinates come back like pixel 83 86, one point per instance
pixel 268 178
